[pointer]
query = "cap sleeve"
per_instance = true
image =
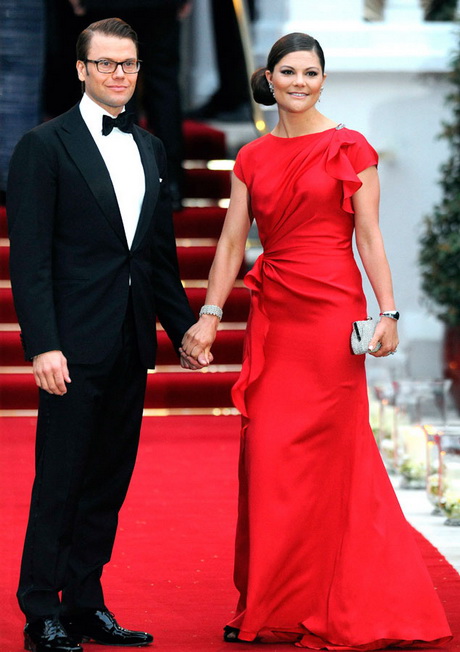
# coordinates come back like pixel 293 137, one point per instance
pixel 348 155
pixel 238 167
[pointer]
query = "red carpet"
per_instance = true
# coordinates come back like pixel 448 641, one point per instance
pixel 171 571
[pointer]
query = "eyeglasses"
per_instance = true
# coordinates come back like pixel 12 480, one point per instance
pixel 107 66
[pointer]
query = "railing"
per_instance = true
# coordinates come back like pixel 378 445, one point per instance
pixel 242 14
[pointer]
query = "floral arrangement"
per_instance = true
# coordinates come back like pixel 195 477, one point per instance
pixel 432 488
pixel 412 470
pixel 450 504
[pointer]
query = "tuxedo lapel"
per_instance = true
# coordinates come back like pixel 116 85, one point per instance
pixel 83 150
pixel 152 182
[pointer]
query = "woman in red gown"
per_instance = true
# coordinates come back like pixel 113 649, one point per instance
pixel 324 556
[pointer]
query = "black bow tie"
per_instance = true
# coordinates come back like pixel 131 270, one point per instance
pixel 124 122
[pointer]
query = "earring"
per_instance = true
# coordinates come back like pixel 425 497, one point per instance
pixel 272 88
pixel 320 93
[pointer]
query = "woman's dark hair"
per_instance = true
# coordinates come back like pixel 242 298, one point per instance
pixel 109 27
pixel 294 42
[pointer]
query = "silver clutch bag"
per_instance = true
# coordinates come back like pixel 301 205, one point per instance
pixel 361 335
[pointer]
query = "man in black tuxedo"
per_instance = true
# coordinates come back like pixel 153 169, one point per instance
pixel 93 263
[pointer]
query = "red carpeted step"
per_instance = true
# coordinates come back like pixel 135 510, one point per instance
pixel 203 142
pixel 164 390
pixel 200 222
pixel 190 389
pixel 11 351
pixel 227 349
pixel 236 307
pixel 7 311
pixel 18 391
pixel 195 262
pixel 3 223
pixel 4 262
pixel 195 222
pixel 212 184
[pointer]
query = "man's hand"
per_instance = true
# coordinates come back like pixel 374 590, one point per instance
pixel 51 373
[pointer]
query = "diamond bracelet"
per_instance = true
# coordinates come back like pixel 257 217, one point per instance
pixel 212 310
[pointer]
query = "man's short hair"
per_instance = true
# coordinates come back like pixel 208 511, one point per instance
pixel 109 27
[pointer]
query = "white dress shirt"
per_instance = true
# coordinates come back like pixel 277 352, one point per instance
pixel 123 161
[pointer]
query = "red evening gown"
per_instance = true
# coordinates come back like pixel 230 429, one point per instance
pixel 324 555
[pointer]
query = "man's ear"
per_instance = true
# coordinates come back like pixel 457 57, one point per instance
pixel 81 70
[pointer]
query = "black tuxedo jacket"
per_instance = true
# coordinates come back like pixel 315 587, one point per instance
pixel 69 259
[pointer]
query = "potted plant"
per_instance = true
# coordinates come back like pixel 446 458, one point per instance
pixel 439 254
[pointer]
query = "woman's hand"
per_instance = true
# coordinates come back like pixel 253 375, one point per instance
pixel 197 341
pixel 386 332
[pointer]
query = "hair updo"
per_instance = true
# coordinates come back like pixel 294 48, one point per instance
pixel 294 42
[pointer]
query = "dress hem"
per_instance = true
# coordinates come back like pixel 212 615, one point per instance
pixel 304 639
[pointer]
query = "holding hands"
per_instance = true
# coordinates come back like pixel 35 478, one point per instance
pixel 197 341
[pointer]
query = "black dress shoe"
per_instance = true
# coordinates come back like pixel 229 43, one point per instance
pixel 48 635
pixel 231 635
pixel 101 627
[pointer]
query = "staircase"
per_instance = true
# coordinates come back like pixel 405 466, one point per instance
pixel 170 390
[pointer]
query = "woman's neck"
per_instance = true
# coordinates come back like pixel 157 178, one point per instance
pixel 291 125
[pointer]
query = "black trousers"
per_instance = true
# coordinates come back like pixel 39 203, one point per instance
pixel 86 447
